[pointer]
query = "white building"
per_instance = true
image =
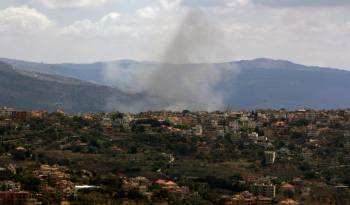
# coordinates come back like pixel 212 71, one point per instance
pixel 270 157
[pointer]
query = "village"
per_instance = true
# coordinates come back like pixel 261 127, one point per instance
pixel 258 157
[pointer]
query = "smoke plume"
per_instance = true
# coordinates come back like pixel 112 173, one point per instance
pixel 182 80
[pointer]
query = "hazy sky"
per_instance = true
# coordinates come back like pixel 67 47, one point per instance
pixel 312 32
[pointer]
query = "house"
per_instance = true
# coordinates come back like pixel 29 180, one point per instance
pixel 286 187
pixel 288 202
pixel 246 198
pixel 170 186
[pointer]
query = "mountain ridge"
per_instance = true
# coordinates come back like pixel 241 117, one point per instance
pixel 129 61
pixel 245 84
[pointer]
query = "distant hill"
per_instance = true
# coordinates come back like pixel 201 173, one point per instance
pixel 249 84
pixel 93 72
pixel 33 91
pixel 265 83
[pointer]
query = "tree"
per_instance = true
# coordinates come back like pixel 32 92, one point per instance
pixel 30 183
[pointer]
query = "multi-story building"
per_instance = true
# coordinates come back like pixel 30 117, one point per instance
pixel 20 115
pixel 268 190
pixel 234 125
pixel 198 130
pixel 6 112
pixel 270 157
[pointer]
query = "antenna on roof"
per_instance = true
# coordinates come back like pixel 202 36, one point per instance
pixel 228 108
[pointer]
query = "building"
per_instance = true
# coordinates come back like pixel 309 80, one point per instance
pixel 253 137
pixel 246 198
pixel 37 114
pixel 268 190
pixel 20 115
pixel 6 112
pixel 4 172
pixel 14 198
pixel 341 188
pixel 286 187
pixel 107 122
pixel 289 202
pixel 270 157
pixel 138 183
pixel 6 123
pixel 10 186
pixel 268 132
pixel 170 186
pixel 198 130
pixel 234 125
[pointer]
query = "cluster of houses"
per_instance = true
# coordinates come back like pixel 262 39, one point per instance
pixel 11 113
pixel 17 198
pixel 247 198
pixel 261 128
pixel 261 191
pixel 11 192
pixel 143 186
pixel 54 179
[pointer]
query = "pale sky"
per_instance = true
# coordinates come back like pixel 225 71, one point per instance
pixel 311 32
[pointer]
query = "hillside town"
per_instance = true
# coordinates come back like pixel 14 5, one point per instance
pixel 259 157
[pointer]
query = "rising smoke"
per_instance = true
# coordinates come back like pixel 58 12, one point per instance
pixel 182 81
